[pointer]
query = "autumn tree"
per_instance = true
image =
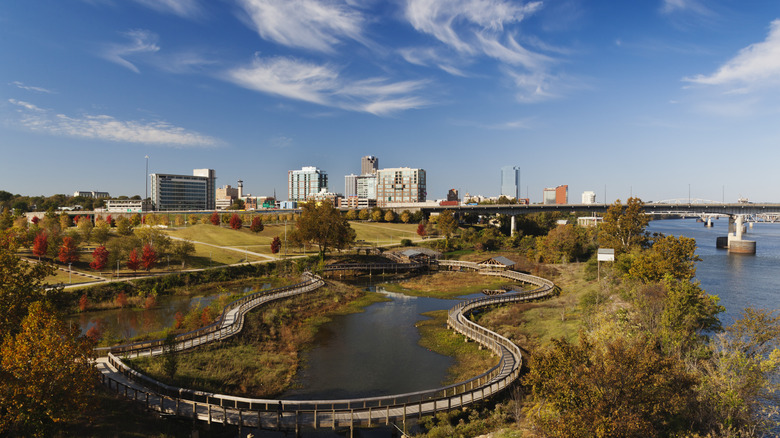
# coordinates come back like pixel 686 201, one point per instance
pixel 40 244
pixel 406 216
pixel 390 216
pixel 447 223
pixel 668 255
pixel 351 215
pixel 563 243
pixel 421 229
pixel 257 225
pixel 101 232
pixel 48 376
pixel 276 245
pixel 124 227
pixel 364 214
pixel 133 262
pixel 183 249
pixel 324 226
pixel 148 257
pixel 377 215
pixel 623 228
pixel 99 258
pixel 214 218
pixel 85 228
pixel 236 222
pixel 68 252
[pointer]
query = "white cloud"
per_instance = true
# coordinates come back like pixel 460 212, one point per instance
pixel 695 6
pixel 22 86
pixel 182 8
pixel 532 87
pixel 323 85
pixel 755 66
pixel 141 41
pixel 103 127
pixel 310 24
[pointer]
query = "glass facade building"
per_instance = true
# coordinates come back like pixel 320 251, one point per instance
pixel 510 182
pixel 184 192
pixel 301 184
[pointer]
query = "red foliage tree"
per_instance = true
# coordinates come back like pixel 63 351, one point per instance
pixel 179 317
pixel 150 302
pixel 134 263
pixel 121 299
pixel 94 333
pixel 215 218
pixel 149 257
pixel 257 224
pixel 68 251
pixel 236 222
pixel 421 230
pixel 83 303
pixel 206 317
pixel 35 220
pixel 109 221
pixel 40 244
pixel 99 258
pixel 276 245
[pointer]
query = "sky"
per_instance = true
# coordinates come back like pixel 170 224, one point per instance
pixel 659 99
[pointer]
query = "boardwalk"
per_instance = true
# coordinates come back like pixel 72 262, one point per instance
pixel 295 414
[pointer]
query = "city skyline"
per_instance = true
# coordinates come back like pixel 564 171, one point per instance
pixel 658 99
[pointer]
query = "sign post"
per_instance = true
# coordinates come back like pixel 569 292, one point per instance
pixel 604 255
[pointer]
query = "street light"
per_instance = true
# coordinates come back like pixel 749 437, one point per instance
pixel 146 179
pixel 70 274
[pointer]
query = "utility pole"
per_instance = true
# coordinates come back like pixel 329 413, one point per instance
pixel 146 179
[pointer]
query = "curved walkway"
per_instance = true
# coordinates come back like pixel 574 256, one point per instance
pixel 294 414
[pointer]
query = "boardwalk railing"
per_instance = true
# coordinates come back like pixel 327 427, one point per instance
pixel 256 412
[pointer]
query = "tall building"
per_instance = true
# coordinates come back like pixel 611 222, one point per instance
pixel 301 184
pixel 588 197
pixel 548 196
pixel 369 165
pixel 562 195
pixel 366 186
pixel 184 192
pixel 510 182
pixel 350 186
pixel 400 185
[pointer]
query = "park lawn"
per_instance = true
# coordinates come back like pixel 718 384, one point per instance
pixel 62 277
pixel 221 236
pixel 384 233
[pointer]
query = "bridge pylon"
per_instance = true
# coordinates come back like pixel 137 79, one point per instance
pixel 734 241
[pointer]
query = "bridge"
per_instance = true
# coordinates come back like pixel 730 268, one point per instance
pixel 295 414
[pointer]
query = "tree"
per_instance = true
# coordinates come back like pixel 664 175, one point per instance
pixel 447 223
pixel 48 374
pixel 257 225
pixel 236 222
pixel 421 229
pixel 406 216
pixel 669 255
pixel 65 221
pixel 21 283
pixel 351 215
pixel 390 216
pixel 148 257
pixel 99 258
pixel 324 226
pixel 377 215
pixel 562 244
pixel 624 228
pixel 215 218
pixel 133 263
pixel 101 232
pixel 364 214
pixel 193 219
pixel 276 245
pixel 182 249
pixel 124 226
pixel 40 244
pixel 688 313
pixel 69 252
pixel 238 204
pixel 622 387
pixel 85 228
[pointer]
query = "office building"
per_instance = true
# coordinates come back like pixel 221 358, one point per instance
pixel 366 186
pixel 303 183
pixel 510 182
pixel 92 194
pixel 401 184
pixel 350 185
pixel 558 195
pixel 184 192
pixel 588 197
pixel 369 165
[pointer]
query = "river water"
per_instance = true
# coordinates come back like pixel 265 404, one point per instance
pixel 739 280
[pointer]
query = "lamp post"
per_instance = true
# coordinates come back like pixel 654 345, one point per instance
pixel 146 179
pixel 70 274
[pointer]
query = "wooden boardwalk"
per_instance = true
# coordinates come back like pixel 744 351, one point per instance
pixel 296 414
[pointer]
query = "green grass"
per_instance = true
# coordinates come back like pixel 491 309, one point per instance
pixel 381 233
pixel 447 284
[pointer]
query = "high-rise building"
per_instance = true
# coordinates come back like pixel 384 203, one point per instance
pixel 548 195
pixel 366 186
pixel 588 197
pixel 510 182
pixel 400 185
pixel 184 192
pixel 350 186
pixel 301 184
pixel 562 195
pixel 369 165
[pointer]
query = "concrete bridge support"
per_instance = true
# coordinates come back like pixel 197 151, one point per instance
pixel 513 225
pixel 734 242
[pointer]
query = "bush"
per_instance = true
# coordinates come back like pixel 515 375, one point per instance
pixel 406 242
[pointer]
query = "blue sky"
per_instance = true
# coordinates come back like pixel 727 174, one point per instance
pixel 648 98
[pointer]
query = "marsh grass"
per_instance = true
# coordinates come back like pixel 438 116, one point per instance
pixel 446 284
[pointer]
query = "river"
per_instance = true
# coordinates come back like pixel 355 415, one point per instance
pixel 739 280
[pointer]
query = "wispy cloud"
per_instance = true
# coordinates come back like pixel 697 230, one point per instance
pixel 104 127
pixel 281 142
pixel 22 86
pixel 756 66
pixel 182 8
pixel 323 85
pixel 140 42
pixel 694 6
pixel 310 24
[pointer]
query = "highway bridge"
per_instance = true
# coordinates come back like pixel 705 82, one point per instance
pixel 296 414
pixel 687 209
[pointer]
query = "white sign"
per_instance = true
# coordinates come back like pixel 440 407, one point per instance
pixel 606 255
